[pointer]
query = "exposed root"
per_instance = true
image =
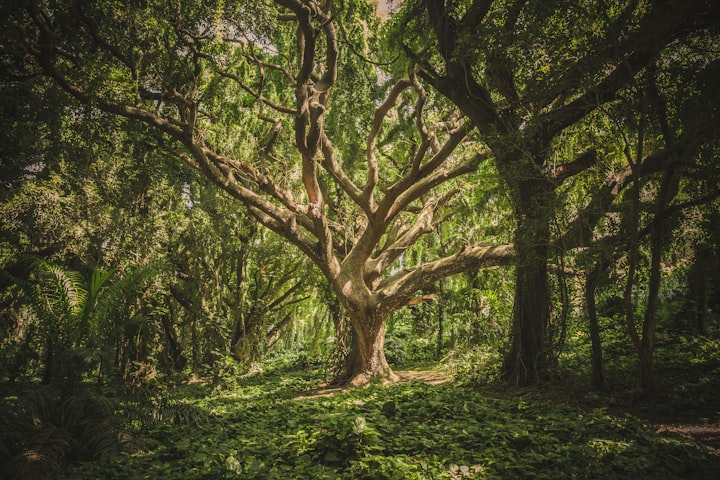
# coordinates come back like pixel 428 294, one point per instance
pixel 362 380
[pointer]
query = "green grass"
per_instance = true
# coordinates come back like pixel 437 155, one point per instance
pixel 259 429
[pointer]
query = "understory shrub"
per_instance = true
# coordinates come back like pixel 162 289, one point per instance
pixel 44 429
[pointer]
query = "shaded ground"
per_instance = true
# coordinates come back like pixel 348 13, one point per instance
pixel 422 426
pixel 705 433
pixel 702 426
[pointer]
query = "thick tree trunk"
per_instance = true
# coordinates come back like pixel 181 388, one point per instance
pixel 530 317
pixel 366 359
pixel 531 306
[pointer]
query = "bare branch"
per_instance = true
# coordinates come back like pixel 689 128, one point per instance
pixel 581 230
pixel 331 165
pixel 560 173
pixel 401 240
pixel 475 14
pixel 411 187
pixel 428 137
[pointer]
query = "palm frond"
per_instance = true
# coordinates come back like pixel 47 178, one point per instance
pixel 98 281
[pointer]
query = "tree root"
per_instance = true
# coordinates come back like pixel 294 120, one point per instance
pixel 388 377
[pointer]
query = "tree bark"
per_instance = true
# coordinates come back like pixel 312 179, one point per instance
pixel 440 332
pixel 531 309
pixel 597 376
pixel 699 277
pixel 531 306
pixel 530 317
pixel 176 349
pixel 366 359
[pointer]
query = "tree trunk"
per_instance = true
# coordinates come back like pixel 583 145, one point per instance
pixel 699 286
pixel 531 306
pixel 366 359
pixel 176 349
pixel 440 332
pixel 530 317
pixel 597 376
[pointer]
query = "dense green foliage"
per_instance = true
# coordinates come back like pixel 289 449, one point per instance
pixel 208 208
pixel 264 428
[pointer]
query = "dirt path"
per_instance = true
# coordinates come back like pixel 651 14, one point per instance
pixel 429 377
pixel 705 433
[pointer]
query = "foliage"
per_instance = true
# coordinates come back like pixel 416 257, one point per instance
pixel 74 323
pixel 476 365
pixel 144 145
pixel 411 430
pixel 44 428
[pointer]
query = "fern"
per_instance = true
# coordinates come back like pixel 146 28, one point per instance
pixel 44 428
pixel 98 281
pixel 121 291
pixel 117 293
pixel 151 407
pixel 62 290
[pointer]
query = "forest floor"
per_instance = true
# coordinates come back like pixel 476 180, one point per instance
pixel 707 434
pixel 284 423
pixel 430 377
pixel 693 424
pixel 690 426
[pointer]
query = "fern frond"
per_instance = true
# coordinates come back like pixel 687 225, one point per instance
pixel 119 292
pixel 98 281
pixel 62 290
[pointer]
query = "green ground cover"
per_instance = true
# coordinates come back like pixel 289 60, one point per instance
pixel 260 427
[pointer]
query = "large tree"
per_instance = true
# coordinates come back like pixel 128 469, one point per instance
pixel 275 104
pixel 534 78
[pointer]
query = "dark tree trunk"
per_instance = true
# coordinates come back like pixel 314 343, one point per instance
pixel 176 349
pixel 440 332
pixel 531 306
pixel 668 190
pixel 699 278
pixel 597 376
pixel 530 317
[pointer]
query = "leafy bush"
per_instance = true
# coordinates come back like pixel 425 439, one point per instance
pixel 395 350
pixel 475 365
pixel 343 439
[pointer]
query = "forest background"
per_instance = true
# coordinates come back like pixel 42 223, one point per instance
pixel 522 194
